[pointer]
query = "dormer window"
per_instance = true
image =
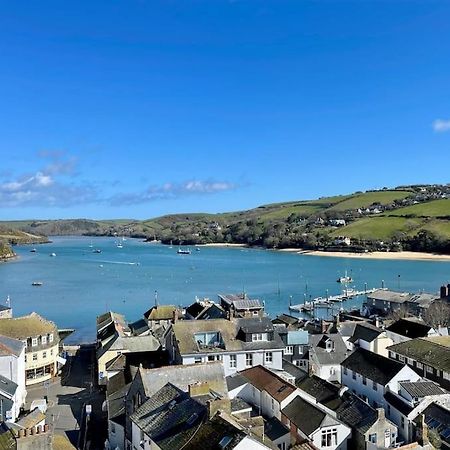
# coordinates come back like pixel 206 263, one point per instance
pixel 260 336
pixel 329 345
pixel 34 342
pixel 50 337
pixel 44 340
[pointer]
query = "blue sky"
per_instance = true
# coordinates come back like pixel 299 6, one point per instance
pixel 140 108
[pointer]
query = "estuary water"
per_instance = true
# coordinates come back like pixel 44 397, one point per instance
pixel 79 284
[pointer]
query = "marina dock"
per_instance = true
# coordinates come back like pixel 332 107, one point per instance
pixel 326 302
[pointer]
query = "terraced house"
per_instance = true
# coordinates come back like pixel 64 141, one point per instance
pixel 42 345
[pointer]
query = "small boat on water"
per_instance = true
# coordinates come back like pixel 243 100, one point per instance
pixel 119 245
pixel 345 279
pixel 184 251
pixel 37 283
pixel 52 254
pixel 33 250
pixel 97 250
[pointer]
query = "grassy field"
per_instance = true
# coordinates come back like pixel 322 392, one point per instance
pixel 379 227
pixel 285 212
pixel 435 208
pixel 439 227
pixel 368 198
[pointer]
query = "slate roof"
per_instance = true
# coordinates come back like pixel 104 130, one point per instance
pixel 108 318
pixel 160 312
pixel 324 392
pixel 116 402
pixel 247 304
pixel 372 366
pixel 212 312
pixel 297 372
pixel 10 346
pixel 438 417
pixel 266 380
pixel 132 344
pixel 356 413
pixel 421 388
pixel 28 326
pixel 237 404
pixel 211 434
pixel 6 385
pixel 365 332
pixel 390 296
pixel 118 363
pixel 169 417
pixel 303 415
pixel 183 376
pixel 285 319
pixel 274 429
pixel 409 328
pixel 398 403
pixel 185 331
pixel 195 309
pixel 323 356
pixel 235 380
pixel 429 351
pixel 139 327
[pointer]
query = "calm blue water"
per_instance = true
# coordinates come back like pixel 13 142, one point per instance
pixel 79 285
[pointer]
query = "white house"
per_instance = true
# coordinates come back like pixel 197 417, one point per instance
pixel 306 421
pixel 12 364
pixel 264 389
pixel 370 375
pixel 326 353
pixel 239 343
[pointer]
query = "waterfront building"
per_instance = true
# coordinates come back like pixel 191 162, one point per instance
pixel 42 345
pixel 239 343
pixel 240 305
pixel 404 330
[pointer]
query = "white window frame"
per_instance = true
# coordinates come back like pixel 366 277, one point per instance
pixel 257 337
pixel 35 357
pixel 289 350
pixel 43 340
pixel 50 337
pixel 249 358
pixel 268 358
pixel 329 438
pixel 233 362
pixel 34 342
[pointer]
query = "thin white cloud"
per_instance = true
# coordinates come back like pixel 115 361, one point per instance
pixel 49 186
pixel 441 125
pixel 169 191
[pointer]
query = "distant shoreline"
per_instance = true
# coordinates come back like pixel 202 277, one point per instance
pixel 221 244
pixel 405 255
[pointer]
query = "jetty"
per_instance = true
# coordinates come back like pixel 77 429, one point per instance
pixel 326 302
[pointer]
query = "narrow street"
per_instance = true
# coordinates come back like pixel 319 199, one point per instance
pixel 68 396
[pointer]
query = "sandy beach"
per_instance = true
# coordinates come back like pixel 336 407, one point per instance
pixel 412 256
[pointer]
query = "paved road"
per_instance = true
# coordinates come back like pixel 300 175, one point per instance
pixel 68 395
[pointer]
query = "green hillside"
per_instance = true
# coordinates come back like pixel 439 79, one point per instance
pixel 367 199
pixel 436 208
pixel 410 217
